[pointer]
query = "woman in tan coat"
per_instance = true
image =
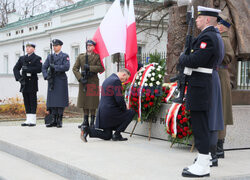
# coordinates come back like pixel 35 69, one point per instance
pixel 223 27
pixel 88 95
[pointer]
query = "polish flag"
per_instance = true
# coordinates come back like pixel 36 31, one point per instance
pixel 110 36
pixel 131 62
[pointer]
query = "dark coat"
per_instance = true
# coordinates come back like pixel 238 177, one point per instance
pixel 112 110
pixel 34 64
pixel 90 98
pixel 58 97
pixel 200 84
pixel 215 114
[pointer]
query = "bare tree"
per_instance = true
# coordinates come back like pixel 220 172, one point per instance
pixel 6 7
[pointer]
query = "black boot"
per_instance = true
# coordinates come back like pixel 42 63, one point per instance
pixel 214 160
pixel 85 121
pixel 54 121
pixel 59 121
pixel 92 122
pixel 220 150
pixel 84 133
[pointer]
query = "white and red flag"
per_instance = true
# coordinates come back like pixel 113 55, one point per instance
pixel 131 62
pixel 110 37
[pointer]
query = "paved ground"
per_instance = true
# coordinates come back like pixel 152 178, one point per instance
pixel 137 159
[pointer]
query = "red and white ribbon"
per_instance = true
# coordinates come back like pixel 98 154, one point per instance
pixel 171 118
pixel 171 92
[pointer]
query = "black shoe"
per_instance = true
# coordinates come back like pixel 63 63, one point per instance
pixel 59 121
pixel 53 123
pixel 220 150
pixel 118 138
pixel 24 124
pixel 85 122
pixel 186 173
pixel 214 160
pixel 84 133
pixel 31 125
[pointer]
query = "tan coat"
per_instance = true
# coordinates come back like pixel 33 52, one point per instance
pixel 90 98
pixel 225 80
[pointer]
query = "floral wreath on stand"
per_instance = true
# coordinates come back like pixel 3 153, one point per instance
pixel 177 120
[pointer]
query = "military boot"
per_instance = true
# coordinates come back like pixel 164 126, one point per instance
pixel 59 121
pixel 85 121
pixel 214 160
pixel 220 151
pixel 53 122
pixel 92 122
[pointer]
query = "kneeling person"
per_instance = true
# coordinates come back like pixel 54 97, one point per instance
pixel 113 113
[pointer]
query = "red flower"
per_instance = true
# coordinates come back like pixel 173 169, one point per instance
pixel 185 119
pixel 151 103
pixel 164 89
pixel 186 128
pixel 134 99
pixel 145 105
pixel 184 133
pixel 183 113
pixel 183 108
pixel 143 90
pixel 148 98
pixel 181 121
pixel 167 91
pixel 156 91
pixel 152 96
pixel 179 117
pixel 180 136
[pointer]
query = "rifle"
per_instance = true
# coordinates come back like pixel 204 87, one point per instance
pixel 51 70
pixel 181 77
pixel 24 73
pixel 85 73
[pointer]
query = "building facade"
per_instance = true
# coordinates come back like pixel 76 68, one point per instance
pixel 73 25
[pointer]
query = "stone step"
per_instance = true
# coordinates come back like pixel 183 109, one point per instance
pixel 12 168
pixel 62 152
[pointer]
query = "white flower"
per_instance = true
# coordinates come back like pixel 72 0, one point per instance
pixel 149 75
pixel 139 83
pixel 153 74
pixel 146 84
pixel 140 74
pixel 140 78
pixel 137 77
pixel 159 75
pixel 152 79
pixel 158 69
pixel 153 68
pixel 151 84
pixel 158 83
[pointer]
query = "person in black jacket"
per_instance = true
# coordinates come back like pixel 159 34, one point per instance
pixel 30 64
pixel 198 68
pixel 113 113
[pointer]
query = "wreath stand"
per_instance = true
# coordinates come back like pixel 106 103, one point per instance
pixel 191 149
pixel 149 129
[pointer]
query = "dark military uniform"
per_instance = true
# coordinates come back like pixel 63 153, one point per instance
pixel 205 54
pixel 29 90
pixel 57 98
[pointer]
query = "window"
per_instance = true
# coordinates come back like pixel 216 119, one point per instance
pixel 75 52
pixel 4 69
pixel 244 75
pixel 46 53
pixel 8 34
pixel 17 56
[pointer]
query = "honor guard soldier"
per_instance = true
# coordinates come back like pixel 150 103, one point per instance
pixel 198 68
pixel 30 64
pixel 54 70
pixel 88 95
pixel 223 26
